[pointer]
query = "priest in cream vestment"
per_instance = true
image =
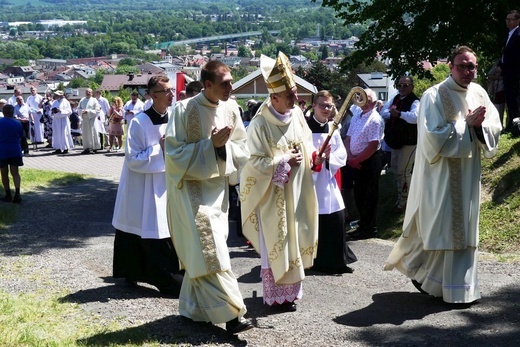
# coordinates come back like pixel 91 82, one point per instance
pixel 279 206
pixel 205 146
pixel 438 247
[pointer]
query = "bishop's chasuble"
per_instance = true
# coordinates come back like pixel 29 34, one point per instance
pixel 285 214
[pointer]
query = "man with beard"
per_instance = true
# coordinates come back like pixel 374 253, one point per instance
pixel 456 123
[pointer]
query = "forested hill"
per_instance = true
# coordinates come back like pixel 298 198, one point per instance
pixel 26 10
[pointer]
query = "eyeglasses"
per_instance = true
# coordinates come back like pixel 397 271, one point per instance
pixel 404 85
pixel 166 91
pixel 466 67
pixel 325 106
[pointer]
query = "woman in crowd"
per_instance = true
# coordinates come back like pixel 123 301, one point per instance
pixel 115 123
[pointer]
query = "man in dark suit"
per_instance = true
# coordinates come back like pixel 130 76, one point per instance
pixel 510 65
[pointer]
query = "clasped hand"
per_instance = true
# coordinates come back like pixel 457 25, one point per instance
pixel 476 117
pixel 296 157
pixel 219 137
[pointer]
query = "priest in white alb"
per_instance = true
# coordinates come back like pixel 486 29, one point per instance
pixel 205 147
pixel 438 249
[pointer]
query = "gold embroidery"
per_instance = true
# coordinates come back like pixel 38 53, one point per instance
pixel 253 218
pixel 454 167
pixel 282 223
pixel 457 221
pixel 231 117
pixel 447 102
pixel 245 188
pixel 194 127
pixel 203 226
pixel 309 250
pixel 202 222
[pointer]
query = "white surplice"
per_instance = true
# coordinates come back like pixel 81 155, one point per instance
pixel 140 206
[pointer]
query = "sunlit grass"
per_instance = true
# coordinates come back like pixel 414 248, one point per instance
pixel 34 179
pixel 38 318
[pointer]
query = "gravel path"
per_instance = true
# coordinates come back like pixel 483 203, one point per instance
pixel 64 238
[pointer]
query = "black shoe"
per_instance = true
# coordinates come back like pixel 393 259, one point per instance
pixel 236 326
pixel 17 199
pixel 418 286
pixel 7 198
pixel 86 151
pixel 48 146
pixel 344 270
pixel 130 283
pixel 361 234
pixel 93 151
pixel 337 271
pixel 286 307
pixel 65 151
pixel 58 151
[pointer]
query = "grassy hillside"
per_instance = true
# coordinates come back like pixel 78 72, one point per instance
pixel 500 209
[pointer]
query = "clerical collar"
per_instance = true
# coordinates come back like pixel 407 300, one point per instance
pixel 211 102
pixel 156 117
pixel 466 87
pixel 159 113
pixel 319 123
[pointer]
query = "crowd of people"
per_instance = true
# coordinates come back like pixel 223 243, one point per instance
pixel 290 172
pixel 293 178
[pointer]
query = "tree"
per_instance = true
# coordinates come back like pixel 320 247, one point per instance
pixel 21 62
pixel 243 51
pixel 439 73
pixel 99 48
pixel 78 83
pixel 126 69
pixel 409 32
pixel 128 62
pixel 239 72
pixel 320 76
pixel 324 52
pixel 124 93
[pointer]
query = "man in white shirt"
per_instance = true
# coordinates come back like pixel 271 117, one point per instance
pixel 23 114
pixel 3 102
pixel 100 120
pixel 400 115
pixel 133 107
pixel 88 109
pixel 12 100
pixel 33 101
pixel 149 101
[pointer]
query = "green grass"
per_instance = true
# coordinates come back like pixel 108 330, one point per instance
pixel 31 180
pixel 42 319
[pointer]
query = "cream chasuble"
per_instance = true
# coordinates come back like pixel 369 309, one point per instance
pixel 444 199
pixel 288 215
pixel 198 181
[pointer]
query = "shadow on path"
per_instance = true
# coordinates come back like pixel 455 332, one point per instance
pixel 60 216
